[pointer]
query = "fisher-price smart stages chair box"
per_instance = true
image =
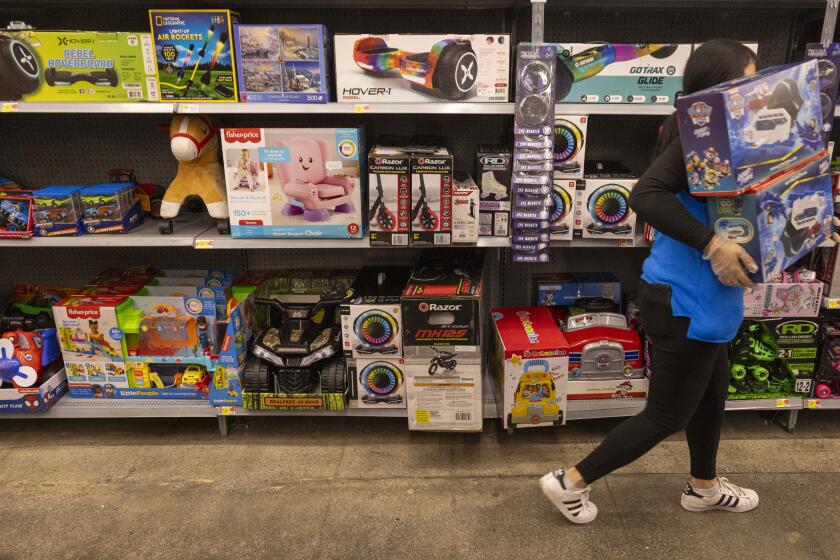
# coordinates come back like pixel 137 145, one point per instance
pixel 425 68
pixel 304 183
pixel 752 129
pixel 531 366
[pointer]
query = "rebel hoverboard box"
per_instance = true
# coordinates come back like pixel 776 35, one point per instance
pixel 194 60
pixel 294 182
pixel 282 63
pixel 76 66
pixel 422 68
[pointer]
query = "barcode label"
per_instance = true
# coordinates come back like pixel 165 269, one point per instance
pixel 463 416
pixel 442 239
pixel 501 90
pixel 132 85
pixel 134 94
pixel 399 239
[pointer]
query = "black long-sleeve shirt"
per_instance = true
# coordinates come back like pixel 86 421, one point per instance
pixel 654 199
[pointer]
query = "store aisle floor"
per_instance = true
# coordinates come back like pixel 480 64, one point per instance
pixel 299 488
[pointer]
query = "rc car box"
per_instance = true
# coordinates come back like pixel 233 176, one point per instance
pixel 567 288
pixel 569 145
pixel 827 376
pixel 493 168
pixel 77 66
pixel 431 198
pixel 194 61
pixel 774 358
pixel 441 307
pixel 530 368
pixel 295 182
pixel 780 220
pixel 465 217
pixel 828 61
pixel 389 195
pixel 748 130
pixel 58 211
pixel 110 208
pixel 424 68
pixel 379 382
pixel 16 218
pixel 561 220
pixel 371 321
pixel 602 209
pixel 620 73
pixel 282 63
pixel 448 401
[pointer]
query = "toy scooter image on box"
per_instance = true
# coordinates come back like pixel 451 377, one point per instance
pixel 19 69
pixel 378 211
pixel 421 212
pixel 450 67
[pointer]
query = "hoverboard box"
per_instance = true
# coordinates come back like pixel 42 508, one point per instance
pixel 76 66
pixel 422 68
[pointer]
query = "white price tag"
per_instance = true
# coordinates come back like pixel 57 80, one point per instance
pixel 188 108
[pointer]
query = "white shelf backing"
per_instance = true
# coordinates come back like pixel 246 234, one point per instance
pixel 68 407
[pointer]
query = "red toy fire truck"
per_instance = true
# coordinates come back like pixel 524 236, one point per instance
pixel 602 346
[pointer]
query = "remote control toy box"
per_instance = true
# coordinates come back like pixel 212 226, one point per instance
pixel 411 68
pixel 282 63
pixel 294 182
pixel 741 132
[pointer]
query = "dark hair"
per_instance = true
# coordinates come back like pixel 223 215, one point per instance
pixel 713 63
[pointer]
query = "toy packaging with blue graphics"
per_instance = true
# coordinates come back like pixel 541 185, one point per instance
pixel 828 65
pixel 194 56
pixel 295 182
pixel 620 73
pixel 781 220
pixel 57 211
pixel 282 63
pixel 111 208
pixel 16 219
pixel 34 399
pixel 742 132
pixel 602 209
pixel 566 288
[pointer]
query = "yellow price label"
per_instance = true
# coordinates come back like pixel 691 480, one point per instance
pixel 831 303
pixel 203 244
pixel 814 403
pixel 782 403
pixel 9 108
pixel 228 410
pixel 361 108
pixel 422 416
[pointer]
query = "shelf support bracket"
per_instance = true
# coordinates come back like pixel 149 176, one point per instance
pixel 538 21
pixel 829 22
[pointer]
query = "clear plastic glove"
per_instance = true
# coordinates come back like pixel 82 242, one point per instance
pixel 835 236
pixel 730 262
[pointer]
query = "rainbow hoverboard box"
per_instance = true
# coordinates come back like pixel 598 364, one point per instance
pixel 194 58
pixel 742 132
pixel 422 68
pixel 620 73
pixel 301 183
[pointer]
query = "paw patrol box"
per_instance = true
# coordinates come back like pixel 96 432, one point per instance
pixel 780 220
pixel 745 131
pixel 77 66
pixel 193 54
pixel 530 368
pixel 295 182
pixel 282 63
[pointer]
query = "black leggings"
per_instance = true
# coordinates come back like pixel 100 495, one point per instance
pixel 688 386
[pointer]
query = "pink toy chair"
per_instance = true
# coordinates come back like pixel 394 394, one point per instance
pixel 304 179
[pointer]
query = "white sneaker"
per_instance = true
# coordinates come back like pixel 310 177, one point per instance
pixel 729 497
pixel 574 504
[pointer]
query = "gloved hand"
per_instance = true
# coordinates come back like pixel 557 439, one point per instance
pixel 729 261
pixel 835 236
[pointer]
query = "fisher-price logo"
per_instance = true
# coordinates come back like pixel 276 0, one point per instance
pixel 82 313
pixel 528 326
pixel 243 135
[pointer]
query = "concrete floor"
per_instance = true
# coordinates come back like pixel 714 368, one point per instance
pixel 298 488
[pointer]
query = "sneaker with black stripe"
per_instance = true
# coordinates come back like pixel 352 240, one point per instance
pixel 726 496
pixel 572 502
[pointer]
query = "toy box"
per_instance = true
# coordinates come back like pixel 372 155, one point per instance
pixel 200 287
pixel 530 368
pixel 827 376
pixel 448 401
pixel 34 399
pixel 562 213
pixel 216 277
pixel 424 68
pixel 465 202
pixel 110 208
pixel 799 299
pixel 389 195
pixel 778 221
pixel 272 398
pixel 88 329
pixel 828 61
pixel 29 358
pixel 371 321
pixel 77 66
pixel 193 54
pixel 493 169
pixel 602 209
pixel 620 72
pixel 751 129
pixel 15 214
pixel 379 382
pixel 569 145
pixel 58 211
pixel 774 358
pixel 294 182
pixel 282 63
pixel 567 288
pixel 431 198
pixel 441 306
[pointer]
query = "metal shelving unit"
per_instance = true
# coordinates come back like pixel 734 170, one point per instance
pixel 68 407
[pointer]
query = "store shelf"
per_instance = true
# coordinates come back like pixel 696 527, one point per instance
pixel 211 239
pixel 765 404
pixel 84 108
pixel 604 408
pixel 818 404
pixel 69 407
pixel 147 235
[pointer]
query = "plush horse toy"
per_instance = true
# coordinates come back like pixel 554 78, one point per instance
pixel 195 144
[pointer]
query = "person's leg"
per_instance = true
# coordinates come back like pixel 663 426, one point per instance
pixel 703 430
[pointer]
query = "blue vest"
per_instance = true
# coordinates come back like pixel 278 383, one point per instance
pixel 715 310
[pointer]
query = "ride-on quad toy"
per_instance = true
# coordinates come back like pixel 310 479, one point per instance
pixel 302 348
pixel 755 363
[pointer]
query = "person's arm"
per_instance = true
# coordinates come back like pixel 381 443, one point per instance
pixel 654 199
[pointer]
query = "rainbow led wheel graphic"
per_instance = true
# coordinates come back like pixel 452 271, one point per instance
pixel 609 205
pixel 381 382
pixel 561 205
pixel 568 140
pixel 376 330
